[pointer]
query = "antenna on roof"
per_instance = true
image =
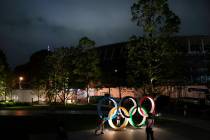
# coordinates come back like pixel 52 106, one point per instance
pixel 48 48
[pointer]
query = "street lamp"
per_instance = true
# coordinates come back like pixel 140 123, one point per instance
pixel 20 79
pixel 151 80
pixel 116 71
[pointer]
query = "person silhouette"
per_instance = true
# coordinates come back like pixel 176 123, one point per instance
pixel 149 126
pixel 118 119
pixel 100 126
pixel 62 134
pixel 185 110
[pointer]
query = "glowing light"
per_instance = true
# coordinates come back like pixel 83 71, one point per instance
pixel 134 105
pixel 21 78
pixel 125 122
pixel 152 110
pixel 126 115
pixel 133 109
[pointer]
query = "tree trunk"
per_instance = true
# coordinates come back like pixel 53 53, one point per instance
pixel 88 93
pixel 120 93
pixel 38 97
pixel 5 96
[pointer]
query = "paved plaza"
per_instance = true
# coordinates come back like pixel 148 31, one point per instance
pixel 109 134
pixel 171 131
pixel 169 127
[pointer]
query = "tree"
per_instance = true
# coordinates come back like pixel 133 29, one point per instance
pixel 149 56
pixel 87 66
pixel 35 72
pixel 38 72
pixel 86 43
pixel 4 71
pixel 38 68
pixel 155 17
pixel 73 67
pixel 23 71
pixel 40 88
pixel 65 72
pixel 59 74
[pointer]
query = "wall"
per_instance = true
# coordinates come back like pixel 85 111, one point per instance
pixel 26 96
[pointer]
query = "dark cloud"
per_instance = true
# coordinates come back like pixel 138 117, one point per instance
pixel 30 25
pixel 194 15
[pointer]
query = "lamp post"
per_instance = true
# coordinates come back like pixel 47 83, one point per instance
pixel 20 80
pixel 116 71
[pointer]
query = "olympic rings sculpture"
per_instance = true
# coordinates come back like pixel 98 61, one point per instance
pixel 127 116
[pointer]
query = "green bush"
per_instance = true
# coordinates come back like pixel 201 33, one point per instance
pixel 10 103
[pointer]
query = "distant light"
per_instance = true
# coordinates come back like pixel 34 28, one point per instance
pixel 158 114
pixel 69 101
pixel 20 78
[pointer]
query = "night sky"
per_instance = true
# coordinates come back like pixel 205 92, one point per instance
pixel 27 26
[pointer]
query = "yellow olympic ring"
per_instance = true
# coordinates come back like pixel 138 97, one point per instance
pixel 124 124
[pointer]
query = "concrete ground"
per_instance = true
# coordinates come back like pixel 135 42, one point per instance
pixel 192 121
pixel 172 130
pixel 109 134
pixel 176 127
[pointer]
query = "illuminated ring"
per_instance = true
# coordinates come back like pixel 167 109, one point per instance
pixel 101 115
pixel 131 117
pixel 112 112
pixel 128 116
pixel 152 105
pixel 127 98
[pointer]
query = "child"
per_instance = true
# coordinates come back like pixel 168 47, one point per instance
pixel 118 119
